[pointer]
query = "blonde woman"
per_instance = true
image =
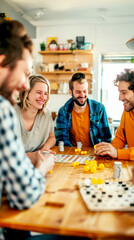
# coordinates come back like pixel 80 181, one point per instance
pixel 35 124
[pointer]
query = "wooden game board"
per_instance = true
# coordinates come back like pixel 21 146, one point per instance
pixel 110 196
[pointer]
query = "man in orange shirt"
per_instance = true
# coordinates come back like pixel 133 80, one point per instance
pixel 124 133
pixel 81 119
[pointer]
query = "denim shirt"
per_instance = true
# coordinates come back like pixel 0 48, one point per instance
pixel 98 123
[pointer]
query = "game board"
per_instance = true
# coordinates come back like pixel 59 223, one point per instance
pixel 72 158
pixel 110 196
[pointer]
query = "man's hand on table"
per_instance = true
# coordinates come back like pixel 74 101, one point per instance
pixel 104 148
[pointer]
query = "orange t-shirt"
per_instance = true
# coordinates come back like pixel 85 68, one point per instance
pixel 80 131
pixel 124 135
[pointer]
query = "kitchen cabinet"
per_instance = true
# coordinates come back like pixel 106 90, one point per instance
pixel 70 61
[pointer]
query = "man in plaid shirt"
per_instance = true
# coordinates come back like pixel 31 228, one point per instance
pixel 21 181
pixel 82 119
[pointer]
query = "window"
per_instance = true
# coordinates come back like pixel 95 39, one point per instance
pixel 111 66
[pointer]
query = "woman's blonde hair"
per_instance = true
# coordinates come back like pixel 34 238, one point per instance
pixel 24 103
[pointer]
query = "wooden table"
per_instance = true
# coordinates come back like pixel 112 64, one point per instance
pixel 61 209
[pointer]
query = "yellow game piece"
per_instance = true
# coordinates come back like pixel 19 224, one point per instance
pixel 77 163
pixel 74 164
pixel 95 161
pixel 94 165
pixel 94 181
pixel 101 166
pixel 76 150
pixel 93 169
pixel 90 164
pixel 50 172
pixel 85 169
pixel 86 162
pixel 95 147
pixel 99 181
pixel 94 151
pixel 81 152
pixel 85 152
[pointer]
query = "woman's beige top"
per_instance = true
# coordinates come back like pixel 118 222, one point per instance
pixel 38 135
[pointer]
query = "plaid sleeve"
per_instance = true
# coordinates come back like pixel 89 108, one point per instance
pixel 62 128
pixel 1 234
pixel 23 183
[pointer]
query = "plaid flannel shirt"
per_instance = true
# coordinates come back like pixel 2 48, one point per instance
pixel 22 182
pixel 98 121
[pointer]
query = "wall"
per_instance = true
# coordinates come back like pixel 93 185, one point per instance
pixel 6 8
pixel 107 38
pixel 63 33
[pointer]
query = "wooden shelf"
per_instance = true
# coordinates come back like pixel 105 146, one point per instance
pixel 65 52
pixel 70 59
pixel 64 72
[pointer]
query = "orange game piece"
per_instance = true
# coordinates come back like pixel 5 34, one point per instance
pixel 50 172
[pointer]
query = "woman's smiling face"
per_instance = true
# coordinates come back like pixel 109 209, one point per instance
pixel 38 95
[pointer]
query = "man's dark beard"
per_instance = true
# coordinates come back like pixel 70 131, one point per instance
pixel 77 102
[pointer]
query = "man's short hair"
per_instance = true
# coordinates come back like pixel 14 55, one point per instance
pixel 23 95
pixel 79 77
pixel 13 40
pixel 127 76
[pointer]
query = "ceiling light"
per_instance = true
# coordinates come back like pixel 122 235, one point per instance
pixel 130 44
pixel 39 13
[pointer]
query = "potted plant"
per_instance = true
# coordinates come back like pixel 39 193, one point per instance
pixel 42 46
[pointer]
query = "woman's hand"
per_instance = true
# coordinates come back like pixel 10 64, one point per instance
pixel 47 150
pixel 45 162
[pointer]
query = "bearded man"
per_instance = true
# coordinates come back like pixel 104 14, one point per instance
pixel 82 119
pixel 124 133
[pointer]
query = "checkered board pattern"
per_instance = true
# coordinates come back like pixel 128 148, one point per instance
pixel 110 196
pixel 72 158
